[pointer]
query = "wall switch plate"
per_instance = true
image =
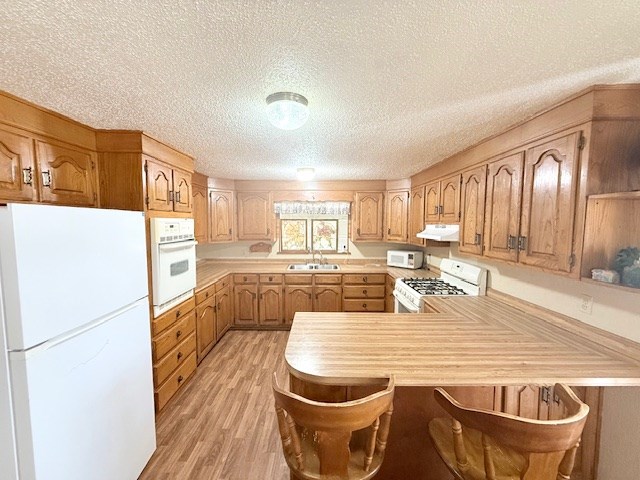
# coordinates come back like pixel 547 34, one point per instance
pixel 586 303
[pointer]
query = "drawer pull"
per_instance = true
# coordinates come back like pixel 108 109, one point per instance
pixel 206 295
pixel 244 279
pixel 180 378
pixel 179 355
pixel 271 279
pixel 177 313
pixel 178 333
pixel 364 305
pixel 364 291
pixel 364 279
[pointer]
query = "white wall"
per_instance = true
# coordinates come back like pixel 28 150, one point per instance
pixel 614 310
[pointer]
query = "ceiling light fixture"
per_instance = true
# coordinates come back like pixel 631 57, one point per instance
pixel 287 110
pixel 306 174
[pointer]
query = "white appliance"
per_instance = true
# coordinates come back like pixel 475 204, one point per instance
pixel 404 259
pixel 76 388
pixel 173 262
pixel 440 233
pixel 456 278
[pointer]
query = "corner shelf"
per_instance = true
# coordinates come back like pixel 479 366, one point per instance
pixel 612 223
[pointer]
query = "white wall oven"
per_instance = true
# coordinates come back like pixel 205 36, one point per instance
pixel 456 278
pixel 173 262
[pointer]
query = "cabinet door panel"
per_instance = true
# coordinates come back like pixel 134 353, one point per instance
pixel 450 200
pixel 159 186
pixel 255 216
pixel 182 191
pixel 368 216
pixel 17 169
pixel 224 314
pixel 200 213
pixel 432 203
pixel 397 210
pixel 327 299
pixel 270 305
pixel 524 401
pixel 416 216
pixel 297 299
pixel 221 219
pixel 548 204
pixel 205 327
pixel 472 222
pixel 502 213
pixel 67 175
pixel 246 305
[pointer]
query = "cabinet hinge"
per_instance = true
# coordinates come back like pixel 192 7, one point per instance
pixel 582 142
pixel 146 200
pixel 146 167
pixel 572 260
pixel 459 215
pixel 93 165
pixel 545 394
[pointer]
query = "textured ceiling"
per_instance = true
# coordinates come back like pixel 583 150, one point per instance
pixel 392 86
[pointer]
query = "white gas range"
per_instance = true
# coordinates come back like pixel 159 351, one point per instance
pixel 456 278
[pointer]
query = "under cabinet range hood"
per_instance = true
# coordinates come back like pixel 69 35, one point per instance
pixel 440 233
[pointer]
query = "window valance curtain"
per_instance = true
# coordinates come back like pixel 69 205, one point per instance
pixel 312 208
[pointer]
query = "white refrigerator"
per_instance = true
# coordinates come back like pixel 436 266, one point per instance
pixel 76 389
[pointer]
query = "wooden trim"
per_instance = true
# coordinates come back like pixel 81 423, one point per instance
pixel 402 184
pixel 167 153
pixel 322 186
pixel 33 118
pixel 221 183
pixel 199 179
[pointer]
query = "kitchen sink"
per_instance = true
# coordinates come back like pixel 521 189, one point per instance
pixel 313 266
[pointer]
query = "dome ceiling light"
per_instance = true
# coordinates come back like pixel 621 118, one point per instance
pixel 287 110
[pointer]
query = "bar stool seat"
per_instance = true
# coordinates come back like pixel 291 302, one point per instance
pixel 477 444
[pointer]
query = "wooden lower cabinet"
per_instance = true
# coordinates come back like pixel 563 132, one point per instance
pixel 297 298
pixel 327 298
pixel 389 299
pixel 224 315
pixel 245 303
pixel 173 348
pixel 270 305
pixel 206 327
pixel 363 293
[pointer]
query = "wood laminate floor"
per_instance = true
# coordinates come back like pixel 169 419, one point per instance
pixel 222 425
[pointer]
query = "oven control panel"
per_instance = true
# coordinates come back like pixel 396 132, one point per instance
pixel 169 230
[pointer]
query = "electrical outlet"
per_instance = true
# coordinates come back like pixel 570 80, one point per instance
pixel 586 303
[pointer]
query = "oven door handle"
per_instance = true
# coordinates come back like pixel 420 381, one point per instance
pixel 168 247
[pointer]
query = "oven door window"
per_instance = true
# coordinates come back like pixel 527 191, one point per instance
pixel 177 268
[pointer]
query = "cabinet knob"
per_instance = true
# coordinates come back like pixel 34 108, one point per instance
pixel 364 305
pixel 177 313
pixel 271 279
pixel 364 291
pixel 178 333
pixel 244 279
pixel 179 355
pixel 364 279
pixel 180 378
pixel 206 295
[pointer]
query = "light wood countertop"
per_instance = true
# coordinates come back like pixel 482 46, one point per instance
pixel 473 341
pixel 208 272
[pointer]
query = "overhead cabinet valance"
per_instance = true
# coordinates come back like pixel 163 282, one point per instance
pixel 312 208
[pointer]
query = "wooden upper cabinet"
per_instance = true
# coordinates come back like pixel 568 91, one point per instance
pixel 17 168
pixel 548 199
pixel 200 202
pixel 432 203
pixel 221 215
pixel 502 213
pixel 473 189
pixel 159 186
pixel 168 189
pixel 368 216
pixel 255 216
pixel 67 174
pixel 416 215
pixel 397 216
pixel 182 191
pixel 442 201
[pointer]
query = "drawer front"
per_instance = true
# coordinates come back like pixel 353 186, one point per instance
pixel 245 278
pixel 328 279
pixel 271 278
pixel 174 335
pixel 377 278
pixel 174 359
pixel 167 319
pixel 206 293
pixel 178 378
pixel 363 305
pixel 363 291
pixel 223 283
pixel 298 279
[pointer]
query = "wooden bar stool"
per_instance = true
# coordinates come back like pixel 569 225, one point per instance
pixel 482 444
pixel 317 437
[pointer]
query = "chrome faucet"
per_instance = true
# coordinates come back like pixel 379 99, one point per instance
pixel 322 259
pixel 313 254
